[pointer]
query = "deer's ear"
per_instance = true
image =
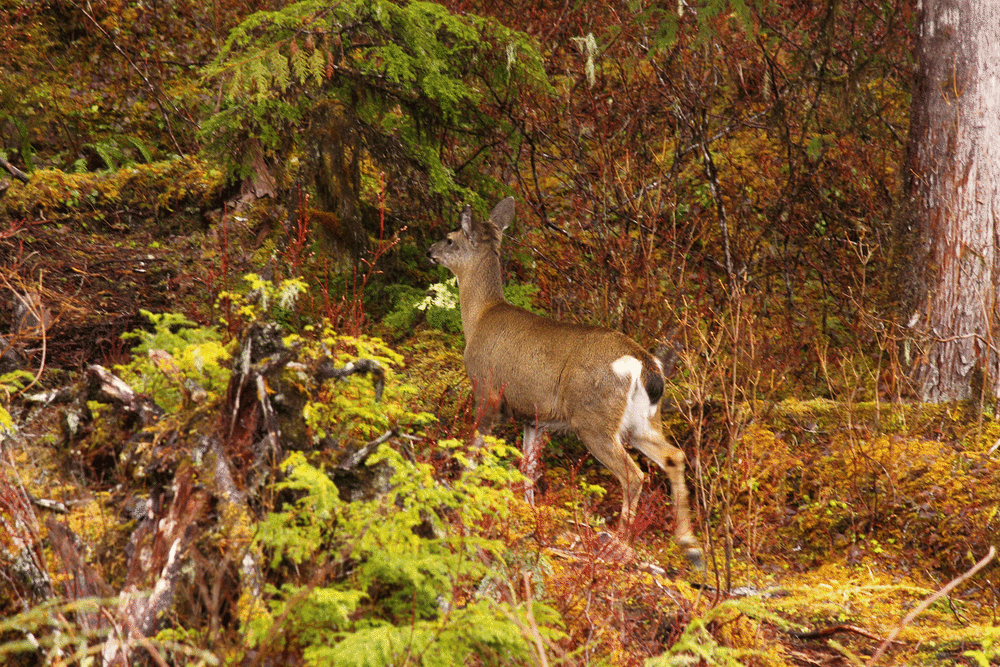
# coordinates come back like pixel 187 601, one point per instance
pixel 467 221
pixel 503 214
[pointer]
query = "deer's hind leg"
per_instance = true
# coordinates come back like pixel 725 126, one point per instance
pixel 650 441
pixel 530 453
pixel 608 449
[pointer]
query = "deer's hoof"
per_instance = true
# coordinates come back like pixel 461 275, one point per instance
pixel 693 554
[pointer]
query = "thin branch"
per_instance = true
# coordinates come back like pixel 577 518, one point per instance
pixel 931 600
pixel 712 176
pixel 149 84
pixel 35 310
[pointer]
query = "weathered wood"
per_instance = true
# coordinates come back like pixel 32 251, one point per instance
pixel 17 173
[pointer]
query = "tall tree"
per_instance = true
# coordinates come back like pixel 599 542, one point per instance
pixel 950 229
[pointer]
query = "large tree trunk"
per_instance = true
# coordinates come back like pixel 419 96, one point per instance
pixel 950 256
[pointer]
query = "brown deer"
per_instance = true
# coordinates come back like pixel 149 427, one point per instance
pixel 591 381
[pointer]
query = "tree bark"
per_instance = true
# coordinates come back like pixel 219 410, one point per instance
pixel 950 264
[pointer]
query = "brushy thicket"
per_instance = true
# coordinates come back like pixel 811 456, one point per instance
pixel 720 181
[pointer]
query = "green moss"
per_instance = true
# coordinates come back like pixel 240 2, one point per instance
pixel 148 190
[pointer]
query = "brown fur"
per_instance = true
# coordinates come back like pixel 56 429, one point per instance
pixel 557 375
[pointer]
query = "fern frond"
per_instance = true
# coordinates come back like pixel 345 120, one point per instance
pixel 140 145
pixel 261 79
pixel 109 152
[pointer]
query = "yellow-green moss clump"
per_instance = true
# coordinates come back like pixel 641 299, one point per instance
pixel 143 191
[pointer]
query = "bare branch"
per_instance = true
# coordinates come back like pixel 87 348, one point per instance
pixel 931 600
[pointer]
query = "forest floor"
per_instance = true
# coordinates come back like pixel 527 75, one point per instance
pixel 826 523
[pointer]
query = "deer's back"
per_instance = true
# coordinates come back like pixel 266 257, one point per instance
pixel 556 373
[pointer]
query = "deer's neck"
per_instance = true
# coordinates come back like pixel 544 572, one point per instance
pixel 479 289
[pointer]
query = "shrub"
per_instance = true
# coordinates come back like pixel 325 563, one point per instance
pixel 393 580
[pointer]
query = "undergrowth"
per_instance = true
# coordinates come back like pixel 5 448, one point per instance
pixel 392 581
pixel 176 358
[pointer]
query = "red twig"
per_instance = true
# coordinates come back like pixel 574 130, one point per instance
pixel 357 307
pixel 301 235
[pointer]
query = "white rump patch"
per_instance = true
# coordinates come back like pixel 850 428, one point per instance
pixel 638 409
pixel 627 367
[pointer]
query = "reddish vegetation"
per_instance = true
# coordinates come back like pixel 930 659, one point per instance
pixel 722 183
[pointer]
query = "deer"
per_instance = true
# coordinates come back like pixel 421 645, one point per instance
pixel 557 376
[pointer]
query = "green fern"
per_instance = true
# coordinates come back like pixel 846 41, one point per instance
pixel 109 152
pixel 139 145
pixel 475 634
pixel 54 633
pixel 197 354
pixel 113 151
pixel 398 603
